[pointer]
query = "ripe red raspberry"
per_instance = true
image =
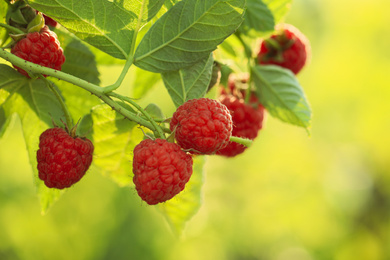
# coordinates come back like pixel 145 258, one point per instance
pixel 62 159
pixel 202 126
pixel 161 170
pixel 287 48
pixel 41 48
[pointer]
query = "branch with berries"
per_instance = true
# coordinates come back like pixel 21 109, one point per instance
pixel 221 100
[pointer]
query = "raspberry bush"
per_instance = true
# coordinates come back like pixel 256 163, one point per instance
pixel 160 155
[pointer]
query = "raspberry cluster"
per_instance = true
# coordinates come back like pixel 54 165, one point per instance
pixel 203 126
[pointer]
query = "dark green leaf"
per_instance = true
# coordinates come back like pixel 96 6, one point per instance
pixel 107 25
pixel 189 83
pixel 225 73
pixel 80 62
pixel 180 209
pixel 85 127
pixel 282 95
pixel 257 19
pixel 187 33
pixel 4 120
pixel 114 138
pixel 154 111
pixel 169 3
pixel 36 106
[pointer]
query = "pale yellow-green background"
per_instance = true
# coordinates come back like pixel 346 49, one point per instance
pixel 289 197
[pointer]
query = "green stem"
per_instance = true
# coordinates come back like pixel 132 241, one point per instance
pixel 243 141
pixel 157 129
pixel 68 117
pixel 126 113
pixel 130 59
pixel 11 28
pixel 94 89
pixel 34 68
pixel 125 69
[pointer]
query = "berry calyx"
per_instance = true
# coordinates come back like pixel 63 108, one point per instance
pixel 49 21
pixel 20 14
pixel 42 48
pixel 287 48
pixel 202 126
pixel 161 170
pixel 62 159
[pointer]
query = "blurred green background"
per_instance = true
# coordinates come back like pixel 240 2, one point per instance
pixel 289 197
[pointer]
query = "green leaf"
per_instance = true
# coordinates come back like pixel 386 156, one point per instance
pixel 257 19
pixel 189 83
pixel 35 105
pixel 152 8
pixel 114 139
pixel 3 10
pixel 102 58
pixel 279 8
pixel 282 95
pixel 80 62
pixel 225 74
pixel 187 33
pixel 154 111
pixel 169 3
pixel 5 120
pixel 3 31
pixel 107 25
pixel 180 209
pixel 144 81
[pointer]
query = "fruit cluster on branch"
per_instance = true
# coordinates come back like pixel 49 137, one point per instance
pixel 161 165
